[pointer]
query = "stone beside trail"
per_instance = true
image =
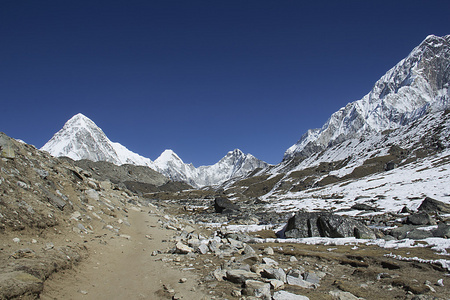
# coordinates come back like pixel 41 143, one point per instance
pixel 67 234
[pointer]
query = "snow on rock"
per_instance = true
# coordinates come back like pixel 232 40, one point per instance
pixel 235 164
pixel 416 85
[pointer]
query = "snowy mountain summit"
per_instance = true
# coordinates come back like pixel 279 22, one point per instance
pixel 80 138
pixel 233 165
pixel 416 85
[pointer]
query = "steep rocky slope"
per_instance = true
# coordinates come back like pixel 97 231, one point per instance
pixel 415 86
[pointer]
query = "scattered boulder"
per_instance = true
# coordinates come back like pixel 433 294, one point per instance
pixel 224 205
pixel 443 231
pixel 298 281
pixel 320 224
pixel 283 295
pixel 432 205
pixel 240 276
pixel 340 295
pixel 421 218
pixel 365 207
pixel 274 273
pixel 258 289
pixel 183 249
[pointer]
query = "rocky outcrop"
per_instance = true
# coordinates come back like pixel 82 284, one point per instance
pixel 432 205
pixel 319 224
pixel 224 205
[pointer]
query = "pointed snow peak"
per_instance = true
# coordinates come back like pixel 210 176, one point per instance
pixel 167 155
pixel 236 152
pixel 79 119
pixel 81 138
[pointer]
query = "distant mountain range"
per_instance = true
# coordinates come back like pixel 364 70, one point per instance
pixel 81 138
pixel 406 109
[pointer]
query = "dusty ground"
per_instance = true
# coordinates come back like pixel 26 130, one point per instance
pixel 122 267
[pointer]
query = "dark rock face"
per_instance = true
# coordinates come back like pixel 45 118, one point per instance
pixel 318 224
pixel 224 205
pixel 421 218
pixel 432 205
pixel 443 231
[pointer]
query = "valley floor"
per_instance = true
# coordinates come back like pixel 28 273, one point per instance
pixel 123 267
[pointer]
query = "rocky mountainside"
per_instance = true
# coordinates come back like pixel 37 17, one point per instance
pixel 81 138
pixel 415 86
pixel 54 215
pixel 400 126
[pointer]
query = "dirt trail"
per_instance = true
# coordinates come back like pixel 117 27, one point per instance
pixel 124 268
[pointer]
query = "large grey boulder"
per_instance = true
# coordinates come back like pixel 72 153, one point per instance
pixel 432 205
pixel 224 205
pixel 322 224
pixel 443 231
pixel 421 218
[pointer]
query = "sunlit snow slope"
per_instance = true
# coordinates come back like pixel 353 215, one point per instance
pixel 416 85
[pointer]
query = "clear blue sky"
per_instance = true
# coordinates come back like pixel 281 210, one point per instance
pixel 199 77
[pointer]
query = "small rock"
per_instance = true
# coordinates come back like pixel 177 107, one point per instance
pixel 248 250
pixel 182 280
pixel 236 293
pixel 75 215
pixel 183 249
pixel 269 261
pixel 299 282
pixel 219 274
pixel 49 246
pixel 268 251
pixel 440 282
pixel 82 292
pixel 272 273
pixel 293 259
pixel 125 236
pixel 202 249
pixel 16 240
pixel 23 253
pixel 240 276
pixel 312 278
pixel 283 295
pixel 258 289
pixel 340 295
pixel 276 284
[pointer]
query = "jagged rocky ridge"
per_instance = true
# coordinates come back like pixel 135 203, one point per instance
pixel 415 86
pixel 80 138
pixel 395 136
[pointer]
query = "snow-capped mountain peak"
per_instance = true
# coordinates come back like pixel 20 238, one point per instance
pixel 234 164
pixel 166 157
pixel 81 138
pixel 416 85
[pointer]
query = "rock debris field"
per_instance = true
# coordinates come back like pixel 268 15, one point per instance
pixel 66 235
